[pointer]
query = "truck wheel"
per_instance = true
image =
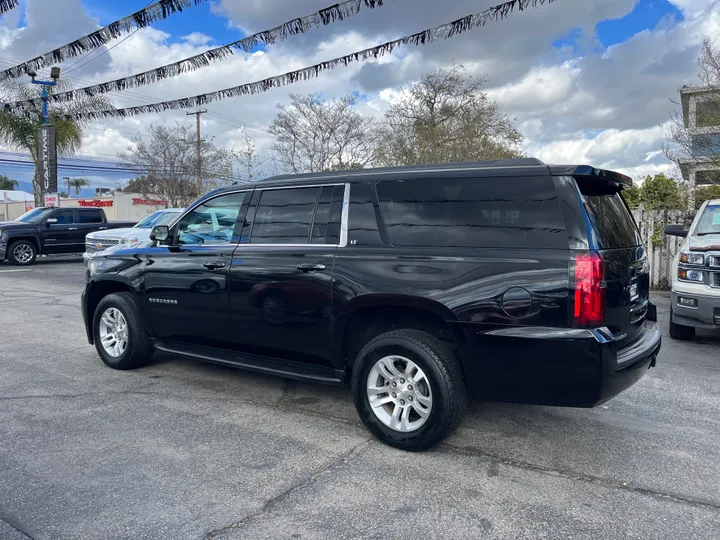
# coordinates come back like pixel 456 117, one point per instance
pixel 408 389
pixel 119 337
pixel 22 253
pixel 679 331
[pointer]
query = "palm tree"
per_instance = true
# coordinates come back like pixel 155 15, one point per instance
pixel 19 130
pixel 7 184
pixel 78 184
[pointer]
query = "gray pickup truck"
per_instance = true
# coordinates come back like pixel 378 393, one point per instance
pixel 50 230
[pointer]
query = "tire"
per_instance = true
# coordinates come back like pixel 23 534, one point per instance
pixel 22 253
pixel 443 382
pixel 681 332
pixel 138 350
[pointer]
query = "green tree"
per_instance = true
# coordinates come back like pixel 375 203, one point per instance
pixel 444 118
pixel 18 129
pixel 77 184
pixel 632 196
pixel 706 193
pixel 660 192
pixel 7 183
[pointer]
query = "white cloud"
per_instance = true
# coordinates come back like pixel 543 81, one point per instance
pixel 622 93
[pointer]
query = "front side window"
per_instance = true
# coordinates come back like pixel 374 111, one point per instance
pixel 285 216
pixel 64 217
pixel 36 215
pixel 473 212
pixel 212 222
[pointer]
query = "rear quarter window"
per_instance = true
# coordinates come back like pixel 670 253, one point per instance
pixel 522 212
pixel 610 218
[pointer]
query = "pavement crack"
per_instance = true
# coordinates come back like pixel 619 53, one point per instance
pixel 582 477
pixel 13 524
pixel 268 506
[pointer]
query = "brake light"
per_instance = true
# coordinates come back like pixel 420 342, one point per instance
pixel 589 308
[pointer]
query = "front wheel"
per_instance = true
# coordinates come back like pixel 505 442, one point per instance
pixel 119 337
pixel 22 253
pixel 679 331
pixel 408 389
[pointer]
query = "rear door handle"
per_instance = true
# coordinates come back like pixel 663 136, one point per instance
pixel 311 267
pixel 73 229
pixel 214 265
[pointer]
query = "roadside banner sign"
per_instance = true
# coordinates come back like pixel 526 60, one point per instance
pixel 52 199
pixel 47 159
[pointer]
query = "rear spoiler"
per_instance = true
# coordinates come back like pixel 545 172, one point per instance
pixel 615 179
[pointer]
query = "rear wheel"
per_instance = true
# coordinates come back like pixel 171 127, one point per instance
pixel 679 331
pixel 119 337
pixel 22 253
pixel 408 389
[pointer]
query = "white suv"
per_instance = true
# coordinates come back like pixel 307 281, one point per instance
pixel 101 240
pixel 696 274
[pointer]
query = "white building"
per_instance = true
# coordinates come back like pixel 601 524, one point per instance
pixel 701 115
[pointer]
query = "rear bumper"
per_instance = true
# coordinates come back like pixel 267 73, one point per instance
pixel 705 315
pixel 554 366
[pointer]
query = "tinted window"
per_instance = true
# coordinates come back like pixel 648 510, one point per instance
pixel 90 216
pixel 284 216
pixel 64 217
pixel 322 216
pixel 363 220
pixel 612 222
pixel 474 212
pixel 212 222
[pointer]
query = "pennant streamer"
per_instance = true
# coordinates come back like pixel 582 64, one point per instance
pixel 140 19
pixel 324 17
pixel 445 31
pixel 7 5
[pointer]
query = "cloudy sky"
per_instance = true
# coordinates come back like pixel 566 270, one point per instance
pixel 589 81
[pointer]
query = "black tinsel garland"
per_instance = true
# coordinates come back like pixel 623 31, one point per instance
pixel 155 12
pixel 7 5
pixel 323 17
pixel 445 31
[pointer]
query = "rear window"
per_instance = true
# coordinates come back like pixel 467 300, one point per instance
pixel 611 220
pixel 473 212
pixel 90 216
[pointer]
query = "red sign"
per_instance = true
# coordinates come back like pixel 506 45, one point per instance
pixel 95 202
pixel 154 202
pixel 51 199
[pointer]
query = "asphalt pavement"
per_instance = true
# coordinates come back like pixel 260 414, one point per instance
pixel 181 450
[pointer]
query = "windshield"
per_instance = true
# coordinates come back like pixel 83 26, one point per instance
pixel 709 222
pixel 36 215
pixel 160 217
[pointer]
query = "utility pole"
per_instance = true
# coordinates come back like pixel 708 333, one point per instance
pixel 199 145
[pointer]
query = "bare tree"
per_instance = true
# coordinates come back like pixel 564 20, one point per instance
pixel 315 135
pixel 166 164
pixel 445 118
pixel 687 147
pixel 249 160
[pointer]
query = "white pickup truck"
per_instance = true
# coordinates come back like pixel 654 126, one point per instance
pixel 101 240
pixel 696 274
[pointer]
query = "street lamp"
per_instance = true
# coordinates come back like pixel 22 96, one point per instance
pixel 54 75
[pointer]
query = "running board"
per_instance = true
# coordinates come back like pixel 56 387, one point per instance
pixel 252 362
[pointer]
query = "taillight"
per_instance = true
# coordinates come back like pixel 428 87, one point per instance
pixel 589 307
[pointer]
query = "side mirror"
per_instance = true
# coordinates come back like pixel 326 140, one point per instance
pixel 160 233
pixel 50 221
pixel 676 230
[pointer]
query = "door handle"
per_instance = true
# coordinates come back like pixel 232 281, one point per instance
pixel 73 229
pixel 214 265
pixel 311 267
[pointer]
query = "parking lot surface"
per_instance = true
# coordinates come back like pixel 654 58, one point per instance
pixel 182 450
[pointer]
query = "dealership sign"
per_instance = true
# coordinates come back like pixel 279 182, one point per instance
pixel 47 159
pixel 95 202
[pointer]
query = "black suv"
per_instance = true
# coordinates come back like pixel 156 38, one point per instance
pixel 510 280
